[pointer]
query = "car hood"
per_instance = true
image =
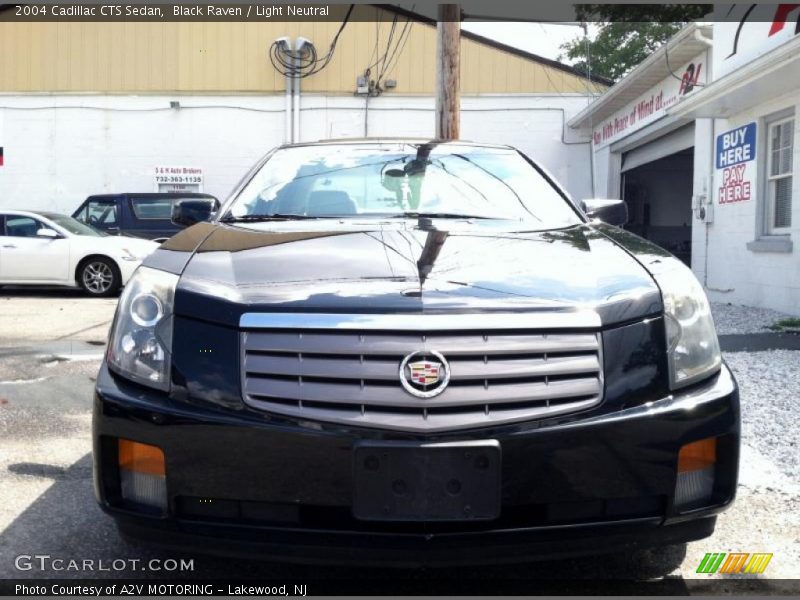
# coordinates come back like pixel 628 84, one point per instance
pixel 405 266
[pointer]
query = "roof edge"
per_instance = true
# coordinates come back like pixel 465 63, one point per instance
pixel 760 66
pixel 687 31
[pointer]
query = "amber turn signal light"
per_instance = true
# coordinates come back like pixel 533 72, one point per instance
pixel 141 458
pixel 697 455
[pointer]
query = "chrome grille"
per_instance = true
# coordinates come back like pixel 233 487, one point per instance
pixel 351 375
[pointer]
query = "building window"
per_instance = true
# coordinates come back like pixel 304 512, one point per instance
pixel 780 137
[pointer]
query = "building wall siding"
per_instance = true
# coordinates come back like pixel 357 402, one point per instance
pixel 735 273
pixel 61 148
pixel 224 57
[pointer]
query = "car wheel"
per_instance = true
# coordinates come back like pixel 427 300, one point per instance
pixel 99 277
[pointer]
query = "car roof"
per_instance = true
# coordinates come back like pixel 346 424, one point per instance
pixel 30 213
pixel 47 214
pixel 153 195
pixel 396 140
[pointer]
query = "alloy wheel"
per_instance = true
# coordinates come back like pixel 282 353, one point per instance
pixel 97 277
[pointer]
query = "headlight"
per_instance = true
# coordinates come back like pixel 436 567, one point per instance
pixel 141 339
pixel 692 345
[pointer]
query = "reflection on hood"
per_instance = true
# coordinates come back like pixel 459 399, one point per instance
pixel 408 266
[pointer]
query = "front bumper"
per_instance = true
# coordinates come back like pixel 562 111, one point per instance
pixel 284 490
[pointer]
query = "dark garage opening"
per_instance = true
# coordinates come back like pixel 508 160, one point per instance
pixel 659 198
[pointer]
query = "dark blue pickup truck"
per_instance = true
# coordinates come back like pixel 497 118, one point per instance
pixel 138 215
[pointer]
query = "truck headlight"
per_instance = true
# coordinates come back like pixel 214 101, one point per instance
pixel 141 338
pixel 692 345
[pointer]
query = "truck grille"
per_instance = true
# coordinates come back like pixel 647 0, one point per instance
pixel 352 376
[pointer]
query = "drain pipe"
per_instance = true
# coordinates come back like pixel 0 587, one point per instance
pixel 289 132
pixel 299 45
pixel 296 101
pixel 698 35
pixel 284 45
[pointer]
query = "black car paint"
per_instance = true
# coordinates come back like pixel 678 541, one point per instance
pixel 352 266
pixel 567 486
pixel 605 476
pixel 233 271
pixel 128 223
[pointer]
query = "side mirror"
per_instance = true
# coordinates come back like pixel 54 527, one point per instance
pixel 613 212
pixel 44 232
pixel 188 212
pixel 392 179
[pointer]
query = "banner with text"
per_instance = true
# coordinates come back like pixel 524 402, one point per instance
pixel 735 164
pixel 653 104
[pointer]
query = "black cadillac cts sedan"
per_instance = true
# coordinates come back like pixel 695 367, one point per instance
pixel 412 352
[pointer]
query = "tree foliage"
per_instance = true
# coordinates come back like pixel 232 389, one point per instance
pixel 627 34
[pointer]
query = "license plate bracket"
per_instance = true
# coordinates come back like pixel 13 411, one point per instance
pixel 409 481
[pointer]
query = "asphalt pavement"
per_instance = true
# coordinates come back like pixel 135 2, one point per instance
pixel 759 342
pixel 51 344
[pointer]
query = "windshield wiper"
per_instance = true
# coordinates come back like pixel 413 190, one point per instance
pixel 436 215
pixel 297 217
pixel 272 217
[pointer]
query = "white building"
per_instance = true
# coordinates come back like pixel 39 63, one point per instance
pixel 91 108
pixel 699 141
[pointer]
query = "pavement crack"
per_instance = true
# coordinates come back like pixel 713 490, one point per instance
pixel 84 330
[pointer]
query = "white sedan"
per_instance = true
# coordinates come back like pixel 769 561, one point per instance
pixel 44 248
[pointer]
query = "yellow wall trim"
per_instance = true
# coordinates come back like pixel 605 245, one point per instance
pixel 231 57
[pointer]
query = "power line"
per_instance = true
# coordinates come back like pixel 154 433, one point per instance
pixel 143 109
pixel 377 42
pixel 398 51
pixel 388 44
pixel 671 72
pixel 383 56
pixel 388 59
pixel 304 63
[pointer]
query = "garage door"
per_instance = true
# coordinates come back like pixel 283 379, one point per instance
pixel 668 144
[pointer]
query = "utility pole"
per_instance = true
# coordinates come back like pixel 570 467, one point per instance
pixel 448 72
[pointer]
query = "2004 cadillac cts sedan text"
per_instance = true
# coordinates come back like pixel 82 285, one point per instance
pixel 412 352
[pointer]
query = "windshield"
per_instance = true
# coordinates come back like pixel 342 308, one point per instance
pixel 145 208
pixel 74 226
pixel 400 179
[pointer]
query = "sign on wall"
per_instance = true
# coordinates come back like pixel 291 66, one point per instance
pixel 178 179
pixel 746 31
pixel 653 104
pixel 735 163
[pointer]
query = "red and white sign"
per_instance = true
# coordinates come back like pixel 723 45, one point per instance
pixel 736 184
pixel 746 31
pixel 653 104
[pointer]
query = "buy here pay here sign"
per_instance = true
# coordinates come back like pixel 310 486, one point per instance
pixel 735 162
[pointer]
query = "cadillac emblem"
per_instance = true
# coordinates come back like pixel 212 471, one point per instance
pixel 424 374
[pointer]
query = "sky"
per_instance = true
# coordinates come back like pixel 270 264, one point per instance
pixel 538 38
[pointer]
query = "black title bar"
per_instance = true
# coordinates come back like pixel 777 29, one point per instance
pixel 541 11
